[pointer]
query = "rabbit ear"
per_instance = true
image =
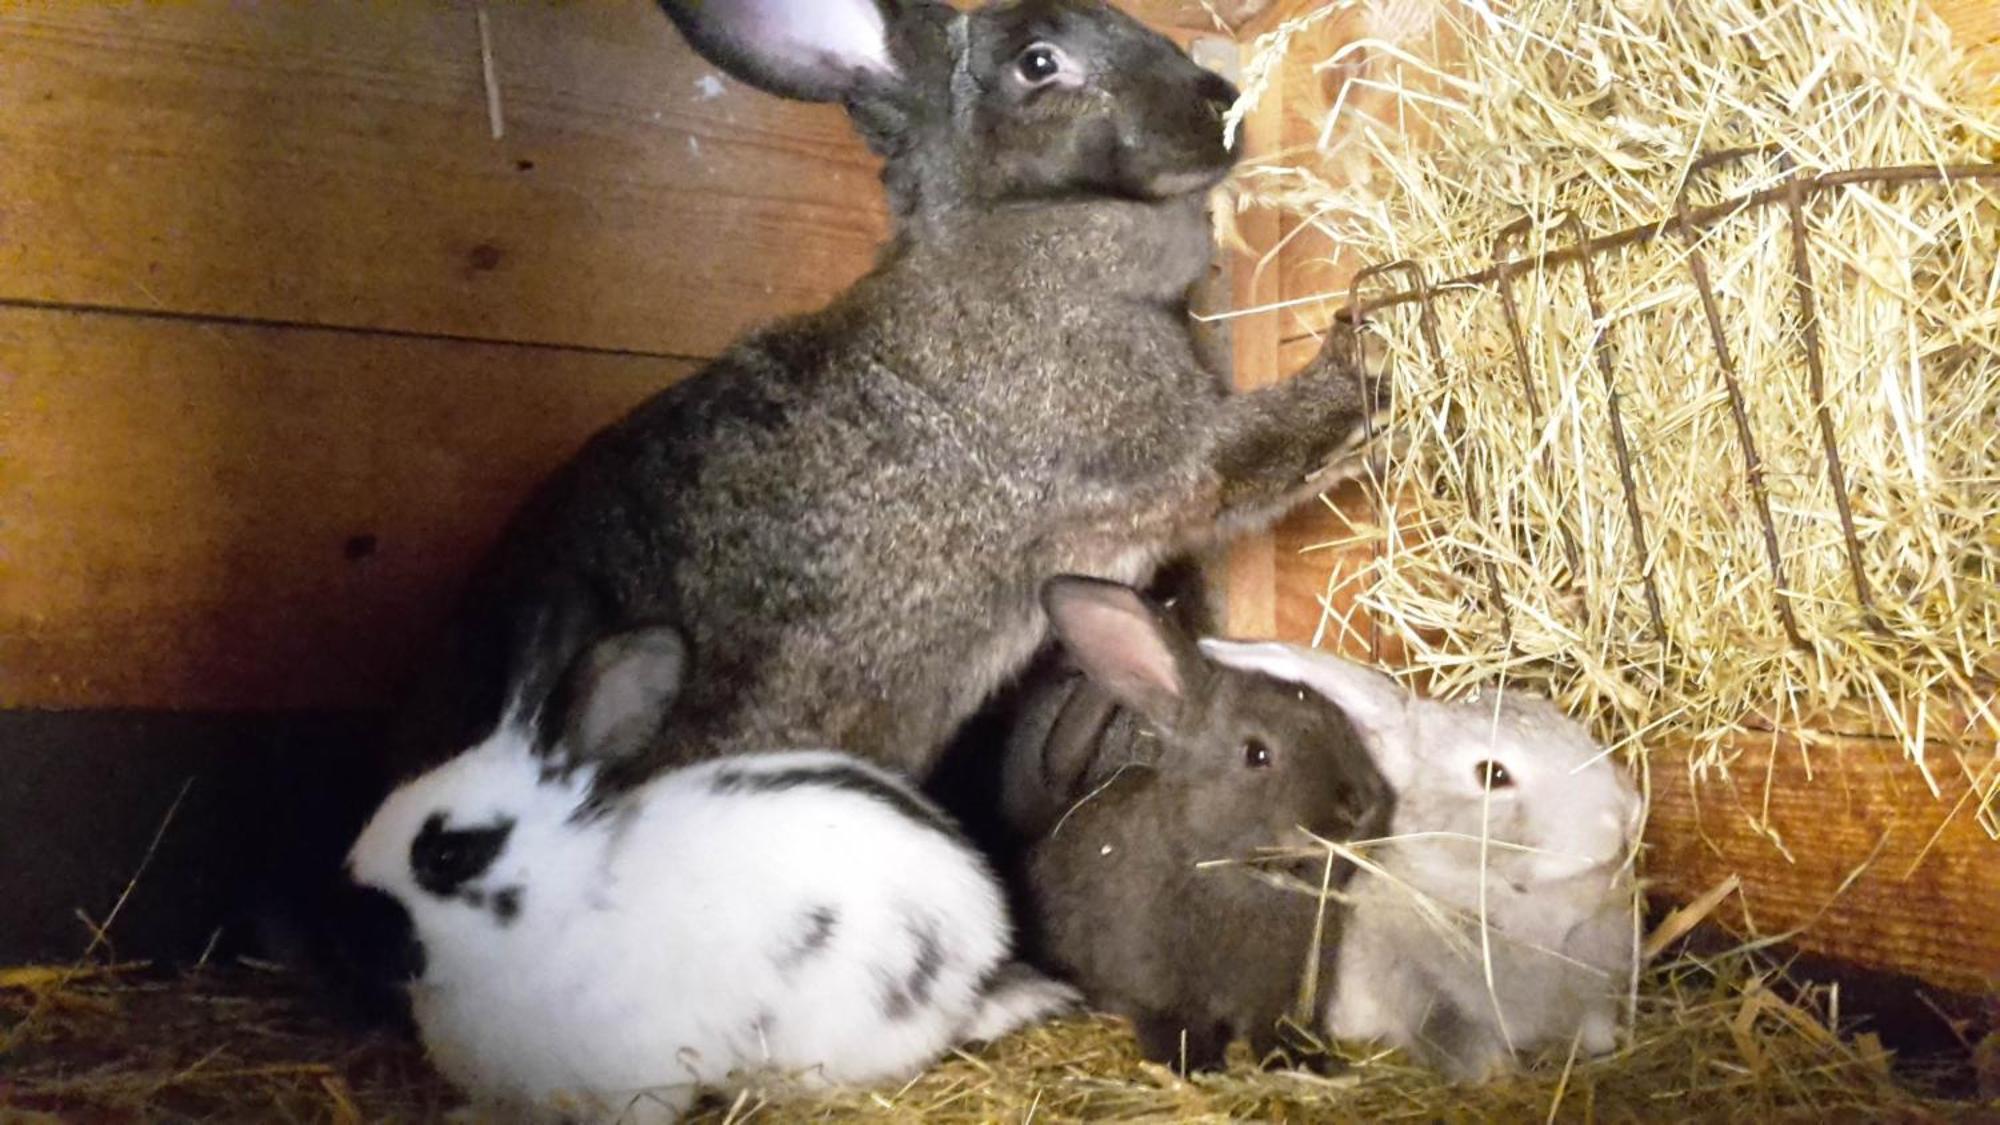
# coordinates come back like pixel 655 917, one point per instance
pixel 619 691
pixel 810 50
pixel 1123 644
pixel 1377 705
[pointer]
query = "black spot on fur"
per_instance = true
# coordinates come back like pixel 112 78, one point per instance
pixel 838 776
pixel 930 957
pixel 896 1003
pixel 507 904
pixel 445 859
pixel 815 930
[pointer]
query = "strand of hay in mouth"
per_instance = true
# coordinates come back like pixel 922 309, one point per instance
pixel 1508 546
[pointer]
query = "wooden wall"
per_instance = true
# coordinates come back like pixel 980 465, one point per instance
pixel 285 331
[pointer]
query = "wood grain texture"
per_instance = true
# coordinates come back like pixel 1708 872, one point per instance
pixel 224 517
pixel 1797 820
pixel 1250 575
pixel 331 163
pixel 1975 29
pixel 1189 15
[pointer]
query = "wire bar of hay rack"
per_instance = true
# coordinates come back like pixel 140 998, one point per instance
pixel 1792 194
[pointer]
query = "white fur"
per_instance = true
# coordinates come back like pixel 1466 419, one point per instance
pixel 649 954
pixel 1546 863
pixel 846 33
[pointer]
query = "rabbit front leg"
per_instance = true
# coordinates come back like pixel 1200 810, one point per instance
pixel 1466 1048
pixel 1273 447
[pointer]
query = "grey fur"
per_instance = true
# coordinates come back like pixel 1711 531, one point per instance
pixel 1205 954
pixel 849 514
pixel 1552 885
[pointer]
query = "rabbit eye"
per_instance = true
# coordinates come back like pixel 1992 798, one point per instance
pixel 1256 755
pixel 1492 775
pixel 1039 64
pixel 445 859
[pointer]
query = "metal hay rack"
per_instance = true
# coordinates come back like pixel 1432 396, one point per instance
pixel 1582 249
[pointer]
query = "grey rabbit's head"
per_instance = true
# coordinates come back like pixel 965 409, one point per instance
pixel 1022 100
pixel 1500 765
pixel 1258 757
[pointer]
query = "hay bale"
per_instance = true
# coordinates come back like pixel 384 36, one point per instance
pixel 1635 575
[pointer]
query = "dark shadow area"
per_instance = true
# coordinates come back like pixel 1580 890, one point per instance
pixel 268 801
pixel 1939 1038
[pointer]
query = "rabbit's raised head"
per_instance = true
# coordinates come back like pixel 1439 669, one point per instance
pixel 1016 100
pixel 497 834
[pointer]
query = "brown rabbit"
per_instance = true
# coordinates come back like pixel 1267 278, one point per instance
pixel 1195 956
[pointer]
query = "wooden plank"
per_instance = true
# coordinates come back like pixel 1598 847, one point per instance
pixel 227 517
pixel 1250 574
pixel 1975 29
pixel 331 163
pixel 1204 16
pixel 1841 845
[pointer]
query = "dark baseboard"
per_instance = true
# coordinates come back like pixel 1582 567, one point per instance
pixel 268 799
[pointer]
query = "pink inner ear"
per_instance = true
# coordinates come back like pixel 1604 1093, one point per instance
pixel 1122 648
pixel 805 33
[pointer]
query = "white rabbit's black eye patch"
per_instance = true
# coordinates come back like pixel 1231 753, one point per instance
pixel 445 859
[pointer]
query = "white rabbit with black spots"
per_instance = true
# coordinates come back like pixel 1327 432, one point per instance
pixel 800 915
pixel 1508 811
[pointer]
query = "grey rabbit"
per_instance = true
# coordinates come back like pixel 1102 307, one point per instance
pixel 1119 900
pixel 1500 916
pixel 1062 733
pixel 848 515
